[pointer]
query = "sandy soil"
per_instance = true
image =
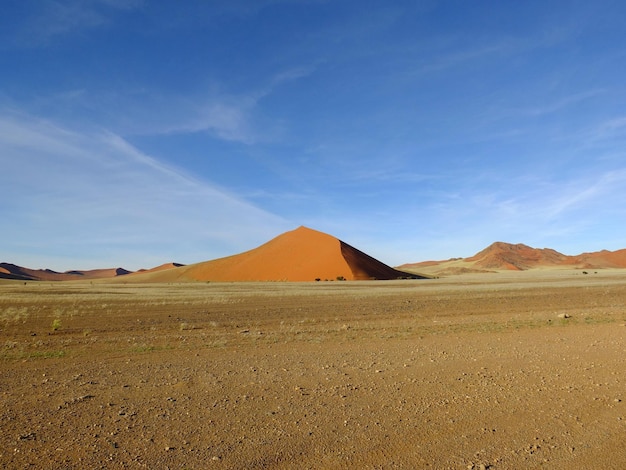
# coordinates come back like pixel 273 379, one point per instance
pixel 475 371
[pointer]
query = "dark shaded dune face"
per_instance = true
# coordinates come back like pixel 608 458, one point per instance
pixel 365 267
pixel 13 269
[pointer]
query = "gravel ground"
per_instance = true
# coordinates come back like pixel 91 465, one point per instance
pixel 469 372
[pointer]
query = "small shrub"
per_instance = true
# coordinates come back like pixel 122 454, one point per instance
pixel 142 348
pixel 56 324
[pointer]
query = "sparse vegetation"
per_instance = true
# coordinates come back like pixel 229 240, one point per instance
pixel 45 354
pixel 144 348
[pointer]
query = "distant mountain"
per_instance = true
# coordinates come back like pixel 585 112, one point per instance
pixel 601 259
pixel 302 254
pixel 12 271
pixel 519 257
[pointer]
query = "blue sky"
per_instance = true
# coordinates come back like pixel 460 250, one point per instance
pixel 134 133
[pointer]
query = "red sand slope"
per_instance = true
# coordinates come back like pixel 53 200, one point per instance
pixel 299 255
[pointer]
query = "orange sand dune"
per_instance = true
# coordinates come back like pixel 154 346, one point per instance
pixel 161 267
pixel 299 255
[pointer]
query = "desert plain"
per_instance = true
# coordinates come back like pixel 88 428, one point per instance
pixel 508 370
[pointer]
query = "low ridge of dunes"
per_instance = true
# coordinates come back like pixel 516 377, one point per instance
pixel 12 271
pixel 161 267
pixel 501 256
pixel 302 254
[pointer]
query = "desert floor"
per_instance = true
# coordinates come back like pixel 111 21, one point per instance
pixel 473 371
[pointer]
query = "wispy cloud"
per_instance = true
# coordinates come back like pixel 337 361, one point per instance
pixel 607 130
pixel 539 202
pixel 450 60
pixel 451 51
pixel 231 116
pixel 54 18
pixel 597 191
pixel 227 121
pixel 93 197
pixel 559 104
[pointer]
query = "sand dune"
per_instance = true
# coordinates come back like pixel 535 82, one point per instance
pixel 298 255
pixel 12 271
pixel 161 267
